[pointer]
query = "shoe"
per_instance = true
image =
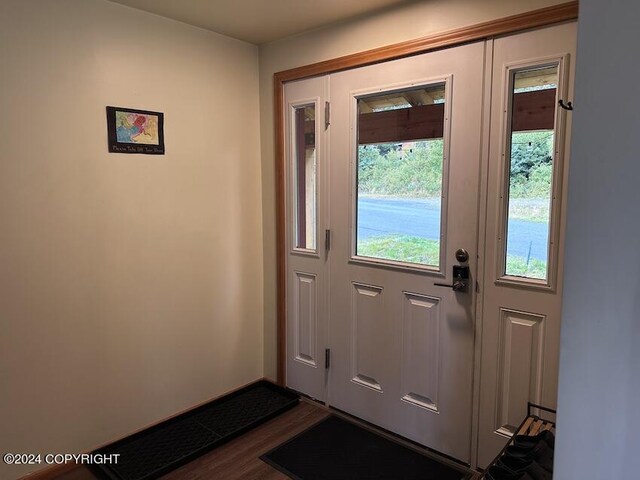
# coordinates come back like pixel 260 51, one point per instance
pixel 500 473
pixel 531 467
pixel 530 441
pixel 540 452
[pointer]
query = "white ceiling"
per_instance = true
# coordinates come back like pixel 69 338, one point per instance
pixel 259 21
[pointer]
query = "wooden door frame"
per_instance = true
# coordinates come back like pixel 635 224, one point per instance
pixel 483 31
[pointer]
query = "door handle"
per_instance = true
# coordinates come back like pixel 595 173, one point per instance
pixel 460 279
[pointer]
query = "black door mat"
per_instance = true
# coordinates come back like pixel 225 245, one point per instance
pixel 158 450
pixel 336 449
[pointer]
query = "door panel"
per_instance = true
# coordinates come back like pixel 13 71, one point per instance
pixel 520 365
pixel 306 199
pixel 402 347
pixel 369 330
pixel 522 286
pixel 305 319
pixel 421 350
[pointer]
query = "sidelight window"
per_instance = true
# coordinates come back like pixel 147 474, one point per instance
pixel 530 160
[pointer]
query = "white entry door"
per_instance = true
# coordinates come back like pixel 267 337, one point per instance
pixel 404 177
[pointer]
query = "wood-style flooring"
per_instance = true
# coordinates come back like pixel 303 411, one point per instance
pixel 240 458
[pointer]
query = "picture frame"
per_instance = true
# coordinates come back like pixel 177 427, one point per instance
pixel 135 131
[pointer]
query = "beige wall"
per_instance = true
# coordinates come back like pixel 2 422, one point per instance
pixel 413 20
pixel 130 285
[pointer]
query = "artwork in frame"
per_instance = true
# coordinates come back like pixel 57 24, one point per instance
pixel 135 131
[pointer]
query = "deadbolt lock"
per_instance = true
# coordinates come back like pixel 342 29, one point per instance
pixel 460 279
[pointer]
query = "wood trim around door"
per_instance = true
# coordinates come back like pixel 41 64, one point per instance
pixel 508 25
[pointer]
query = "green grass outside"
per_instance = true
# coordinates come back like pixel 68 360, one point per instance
pixel 410 249
pixel 517 266
pixel 403 248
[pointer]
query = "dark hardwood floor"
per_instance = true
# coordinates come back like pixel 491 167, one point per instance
pixel 240 458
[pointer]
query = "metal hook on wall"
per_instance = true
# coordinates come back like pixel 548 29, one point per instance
pixel 568 106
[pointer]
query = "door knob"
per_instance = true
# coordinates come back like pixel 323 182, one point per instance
pixel 462 255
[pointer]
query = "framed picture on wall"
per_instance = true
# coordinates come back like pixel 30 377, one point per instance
pixel 135 131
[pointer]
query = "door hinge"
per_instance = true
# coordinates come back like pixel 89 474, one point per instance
pixel 327 240
pixel 327 358
pixel 327 115
pixel 477 287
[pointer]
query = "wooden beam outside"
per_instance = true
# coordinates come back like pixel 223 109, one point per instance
pixel 402 125
pixel 534 110
pixel 531 111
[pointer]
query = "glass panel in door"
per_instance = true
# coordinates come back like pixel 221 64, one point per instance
pixel 399 175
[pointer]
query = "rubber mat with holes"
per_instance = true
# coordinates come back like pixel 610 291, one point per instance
pixel 164 447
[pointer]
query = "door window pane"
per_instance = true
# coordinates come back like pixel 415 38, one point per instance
pixel 531 160
pixel 305 177
pixel 399 176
